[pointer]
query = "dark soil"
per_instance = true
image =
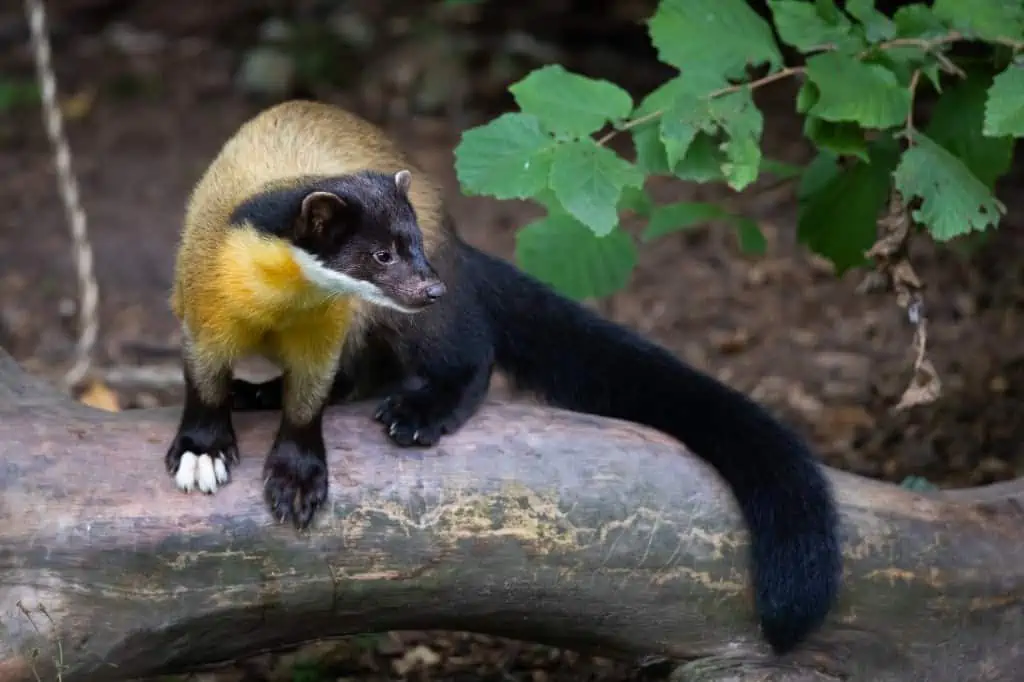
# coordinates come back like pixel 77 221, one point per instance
pixel 782 327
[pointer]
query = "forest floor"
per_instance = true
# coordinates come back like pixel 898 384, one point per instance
pixel 781 327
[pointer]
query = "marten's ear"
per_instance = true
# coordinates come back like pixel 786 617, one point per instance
pixel 403 179
pixel 318 210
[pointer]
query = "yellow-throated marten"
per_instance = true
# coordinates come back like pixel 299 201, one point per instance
pixel 289 244
pixel 284 253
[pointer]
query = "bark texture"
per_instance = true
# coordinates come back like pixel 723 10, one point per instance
pixel 531 523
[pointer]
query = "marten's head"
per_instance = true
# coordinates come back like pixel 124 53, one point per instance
pixel 354 235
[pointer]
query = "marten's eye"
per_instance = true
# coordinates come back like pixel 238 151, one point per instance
pixel 383 257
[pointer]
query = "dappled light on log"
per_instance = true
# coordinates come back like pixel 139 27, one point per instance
pixel 532 523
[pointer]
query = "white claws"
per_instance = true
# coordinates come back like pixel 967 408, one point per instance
pixel 200 471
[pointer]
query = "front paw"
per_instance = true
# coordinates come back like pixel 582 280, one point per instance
pixel 414 417
pixel 201 457
pixel 295 483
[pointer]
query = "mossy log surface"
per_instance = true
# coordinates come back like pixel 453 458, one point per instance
pixel 531 523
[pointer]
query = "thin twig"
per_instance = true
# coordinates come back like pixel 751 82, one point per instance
pixel 908 127
pixel 752 85
pixel 930 45
pixel 88 305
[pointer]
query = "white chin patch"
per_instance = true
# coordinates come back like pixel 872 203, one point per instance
pixel 202 472
pixel 339 283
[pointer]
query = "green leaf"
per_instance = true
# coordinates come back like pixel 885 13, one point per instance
pixel 568 103
pixel 985 19
pixel 956 124
pixel 903 60
pixel 669 218
pixel 933 74
pixel 16 93
pixel 588 180
pixel 508 158
pixel 751 238
pixel 663 96
pixel 806 97
pixel 703 161
pixel 692 115
pixel 849 90
pixel 676 136
pixel 635 199
pixel 844 138
pixel 918 484
pixel 688 115
pixel 918 21
pixel 744 160
pixel 906 56
pixel 822 169
pixel 840 207
pixel 1004 107
pixel 720 37
pixel 650 150
pixel 711 135
pixel 569 257
pixel 743 123
pixel 803 26
pixel 828 10
pixel 780 169
pixel 953 200
pixel 546 198
pixel 877 26
pixel 308 671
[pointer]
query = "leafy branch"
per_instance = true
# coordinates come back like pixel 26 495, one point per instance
pixel 861 76
pixel 752 85
pixel 931 46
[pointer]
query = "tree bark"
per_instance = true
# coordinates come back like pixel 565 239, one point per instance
pixel 531 523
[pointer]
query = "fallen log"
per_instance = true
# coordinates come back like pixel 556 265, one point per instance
pixel 531 523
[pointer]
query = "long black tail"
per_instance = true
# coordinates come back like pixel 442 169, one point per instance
pixel 578 361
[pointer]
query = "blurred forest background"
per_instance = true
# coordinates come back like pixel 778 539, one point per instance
pixel 151 89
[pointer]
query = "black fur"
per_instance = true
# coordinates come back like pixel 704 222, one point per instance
pixel 496 314
pixel 275 210
pixel 295 471
pixel 371 198
pixel 579 361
